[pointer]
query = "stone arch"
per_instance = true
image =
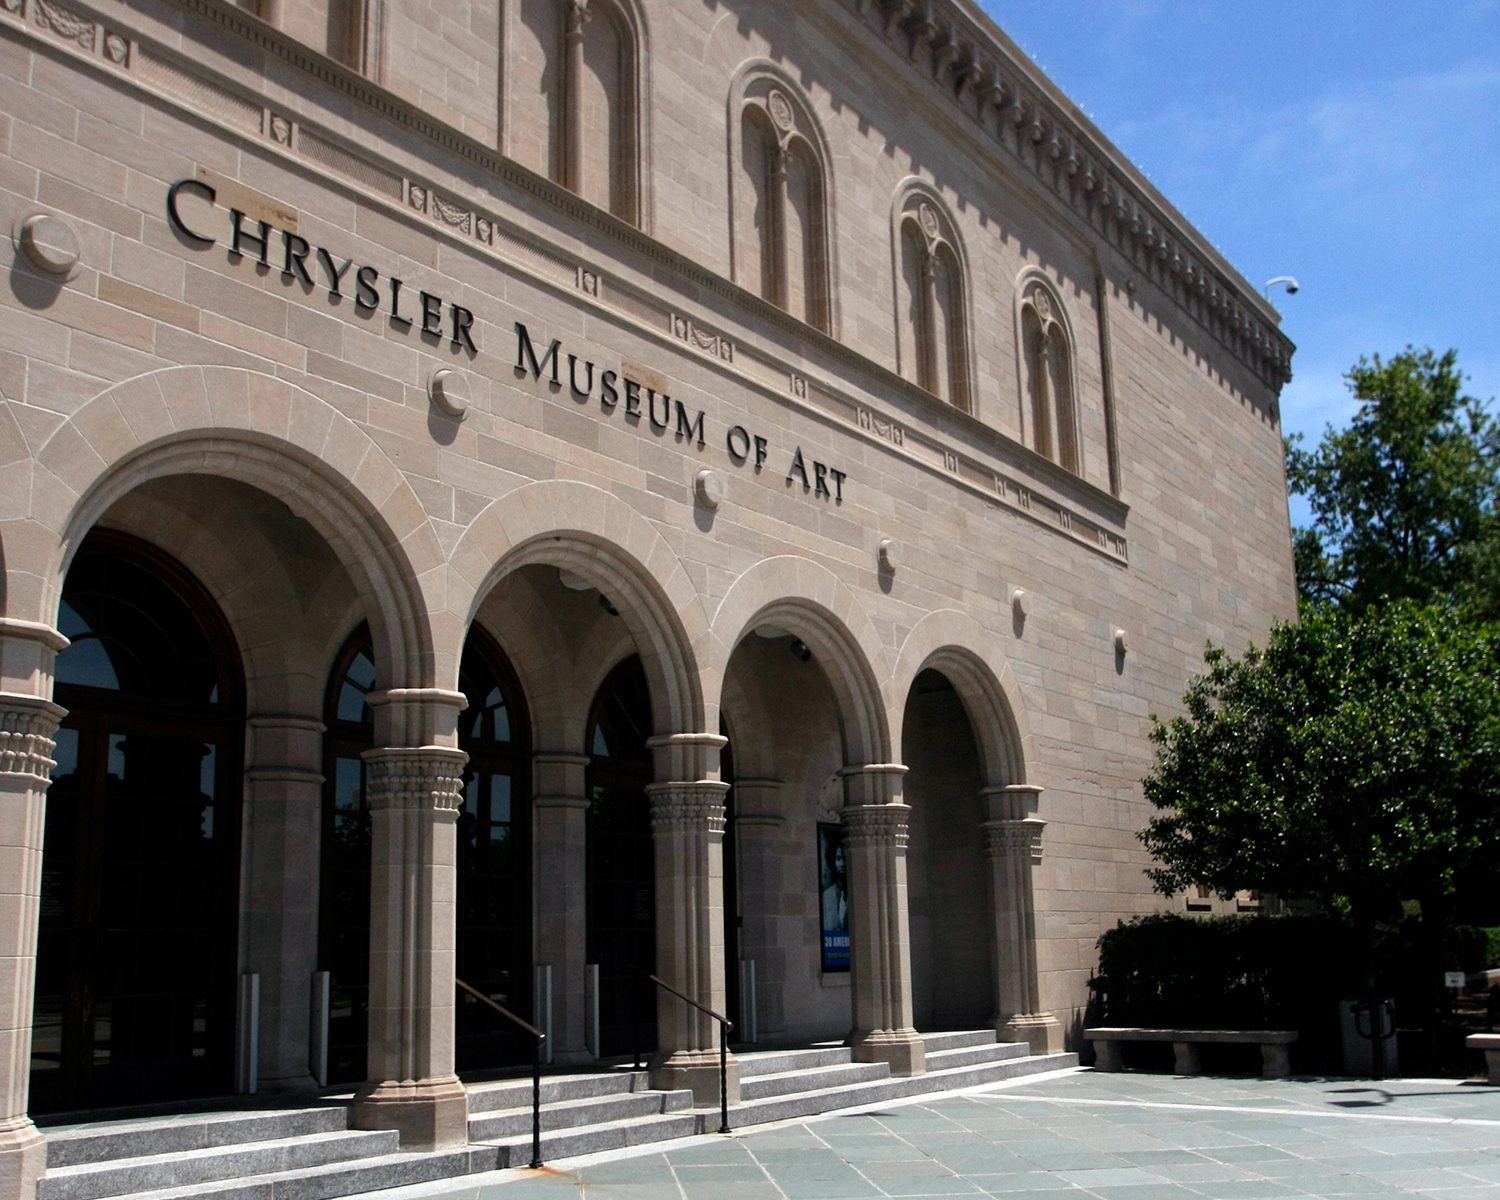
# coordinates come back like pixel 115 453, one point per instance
pixel 809 601
pixel 585 530
pixel 272 435
pixel 958 646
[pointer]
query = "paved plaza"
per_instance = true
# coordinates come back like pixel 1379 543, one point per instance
pixel 1072 1135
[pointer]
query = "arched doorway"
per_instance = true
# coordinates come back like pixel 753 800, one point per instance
pixel 137 935
pixel 493 917
pixel 621 866
pixel 948 887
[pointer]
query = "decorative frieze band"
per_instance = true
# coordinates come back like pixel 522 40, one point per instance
pixel 27 724
pixel 687 807
pixel 876 825
pixel 415 777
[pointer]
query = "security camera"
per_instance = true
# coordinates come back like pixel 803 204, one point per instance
pixel 1291 287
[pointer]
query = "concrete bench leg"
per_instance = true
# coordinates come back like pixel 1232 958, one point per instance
pixel 1275 1060
pixel 1187 1058
pixel 1106 1056
pixel 1492 1061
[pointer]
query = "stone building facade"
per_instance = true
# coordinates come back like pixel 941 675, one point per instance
pixel 527 491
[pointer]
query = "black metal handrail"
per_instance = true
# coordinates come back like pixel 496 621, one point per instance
pixel 725 1025
pixel 536 1066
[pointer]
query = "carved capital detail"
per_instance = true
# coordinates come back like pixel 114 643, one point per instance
pixel 687 807
pixel 876 825
pixel 27 724
pixel 415 777
pixel 1014 839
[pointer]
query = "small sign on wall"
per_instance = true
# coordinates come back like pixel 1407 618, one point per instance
pixel 1455 979
pixel 833 897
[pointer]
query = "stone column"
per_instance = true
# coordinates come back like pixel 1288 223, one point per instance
pixel 875 833
pixel 776 227
pixel 1013 841
pixel 687 825
pixel 27 723
pixel 576 17
pixel 560 870
pixel 414 793
pixel 283 801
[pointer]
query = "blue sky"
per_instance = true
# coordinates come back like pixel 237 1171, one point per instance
pixel 1354 144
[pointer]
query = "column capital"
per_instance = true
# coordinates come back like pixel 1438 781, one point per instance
pixel 1021 839
pixel 33 631
pixel 27 724
pixel 1011 801
pixel 415 777
pixel 687 806
pixel 416 716
pixel 875 824
pixel 872 783
pixel 686 755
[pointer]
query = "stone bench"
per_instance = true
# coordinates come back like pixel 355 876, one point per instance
pixel 1275 1056
pixel 1490 1044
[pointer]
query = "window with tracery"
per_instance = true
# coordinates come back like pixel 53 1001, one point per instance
pixel 931 314
pixel 780 206
pixel 571 97
pixel 1048 389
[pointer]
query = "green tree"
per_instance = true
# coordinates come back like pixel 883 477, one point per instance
pixel 1355 761
pixel 1404 499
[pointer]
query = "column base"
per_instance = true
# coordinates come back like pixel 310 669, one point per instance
pixel 698 1071
pixel 23 1158
pixel 428 1114
pixel 901 1049
pixel 1041 1031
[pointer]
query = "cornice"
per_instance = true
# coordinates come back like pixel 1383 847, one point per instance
pixel 960 52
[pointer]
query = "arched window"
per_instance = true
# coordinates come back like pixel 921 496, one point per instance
pixel 572 98
pixel 1048 390
pixel 139 907
pixel 780 219
pixel 932 308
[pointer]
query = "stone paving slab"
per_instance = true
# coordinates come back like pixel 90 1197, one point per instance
pixel 1073 1135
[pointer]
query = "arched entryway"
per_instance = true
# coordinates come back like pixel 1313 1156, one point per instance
pixel 493 946
pixel 621 864
pixel 952 929
pixel 137 935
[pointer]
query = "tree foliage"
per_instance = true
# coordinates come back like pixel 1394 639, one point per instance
pixel 1404 499
pixel 1354 761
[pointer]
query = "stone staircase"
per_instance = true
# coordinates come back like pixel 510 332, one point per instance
pixel 310 1153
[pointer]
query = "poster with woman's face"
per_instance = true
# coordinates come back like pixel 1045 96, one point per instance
pixel 833 897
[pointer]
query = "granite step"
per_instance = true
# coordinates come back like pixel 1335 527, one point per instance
pixel 952 1039
pixel 963 1056
pixel 778 1062
pixel 516 1093
pixel 338 1179
pixel 501 1123
pixel 759 1087
pixel 72 1145
pixel 154 1170
pixel 609 1135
